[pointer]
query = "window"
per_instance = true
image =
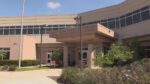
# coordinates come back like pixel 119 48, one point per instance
pixel 55 25
pixel 136 18
pixel 37 26
pixel 61 25
pixel 30 31
pixel 84 55
pixel 123 22
pixel 43 30
pixel 6 31
pixel 12 31
pixel 48 30
pixel 36 31
pixel 55 29
pixel 104 24
pixel 18 26
pixel 111 24
pixel 18 31
pixel 25 31
pixel 50 26
pixel 129 20
pixel 1 31
pixel 117 23
pixel 61 28
pixel 12 26
pixel 145 15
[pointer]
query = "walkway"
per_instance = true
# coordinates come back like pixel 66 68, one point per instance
pixel 30 77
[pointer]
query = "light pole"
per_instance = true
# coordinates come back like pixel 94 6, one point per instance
pixel 79 21
pixel 41 44
pixel 21 35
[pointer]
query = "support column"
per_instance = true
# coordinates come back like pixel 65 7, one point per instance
pixel 90 55
pixel 65 56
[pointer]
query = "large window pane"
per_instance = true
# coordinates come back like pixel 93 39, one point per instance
pixel 129 20
pixel 36 30
pixel 25 31
pixel 145 15
pixel 6 31
pixel 30 31
pixel 104 24
pixel 1 31
pixel 12 31
pixel 18 31
pixel 56 25
pixel 123 22
pixel 55 29
pixel 117 23
pixel 42 30
pixel 111 24
pixel 48 30
pixel 136 18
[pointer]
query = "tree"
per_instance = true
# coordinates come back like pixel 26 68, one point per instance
pixel 2 55
pixel 117 53
pixel 57 55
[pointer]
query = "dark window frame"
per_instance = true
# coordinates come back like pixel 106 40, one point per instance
pixel 145 15
pixel 129 20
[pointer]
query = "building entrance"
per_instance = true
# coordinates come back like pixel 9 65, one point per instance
pixel 49 56
pixel 84 57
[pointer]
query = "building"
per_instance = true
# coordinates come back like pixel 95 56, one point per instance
pixel 101 27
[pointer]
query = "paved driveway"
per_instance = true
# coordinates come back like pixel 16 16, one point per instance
pixel 30 77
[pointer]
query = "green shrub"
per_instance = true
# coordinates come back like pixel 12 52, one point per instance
pixel 8 68
pixel 12 68
pixel 69 75
pixel 135 73
pixel 4 68
pixel 116 54
pixel 57 55
pixel 15 62
pixel 2 55
pixel 98 59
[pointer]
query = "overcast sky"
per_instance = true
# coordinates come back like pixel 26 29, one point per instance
pixel 51 7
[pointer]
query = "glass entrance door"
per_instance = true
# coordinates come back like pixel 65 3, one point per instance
pixel 49 57
pixel 84 57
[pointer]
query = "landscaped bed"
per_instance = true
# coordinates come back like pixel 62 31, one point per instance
pixel 137 72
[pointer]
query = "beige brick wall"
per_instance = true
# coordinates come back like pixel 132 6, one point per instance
pixel 38 20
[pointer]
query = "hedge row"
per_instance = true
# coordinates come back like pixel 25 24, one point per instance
pixel 8 68
pixel 23 63
pixel 135 73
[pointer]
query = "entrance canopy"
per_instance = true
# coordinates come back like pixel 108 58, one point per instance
pixel 90 33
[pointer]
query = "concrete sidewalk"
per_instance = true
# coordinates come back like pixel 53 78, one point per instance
pixel 30 77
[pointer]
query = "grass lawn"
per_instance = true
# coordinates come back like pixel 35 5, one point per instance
pixel 32 68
